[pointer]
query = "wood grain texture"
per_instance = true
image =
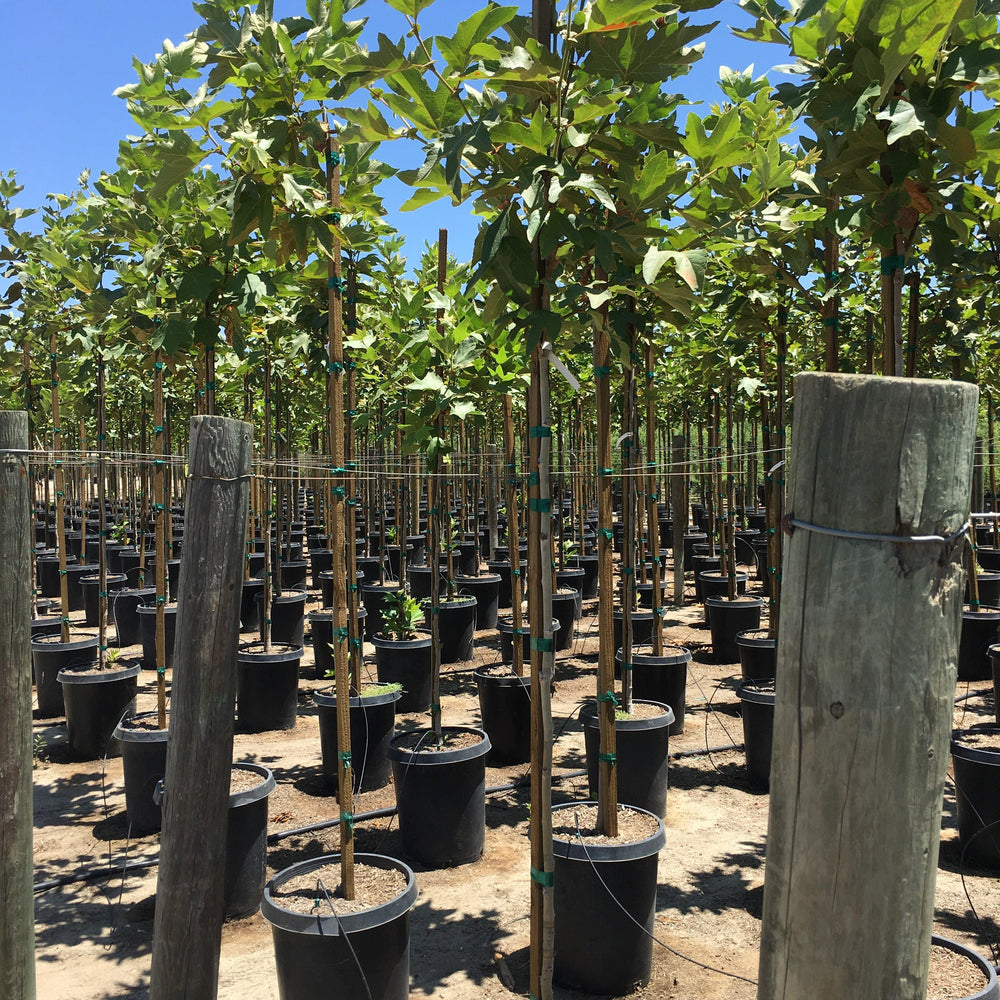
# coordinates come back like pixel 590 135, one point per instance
pixel 189 893
pixel 865 679
pixel 17 914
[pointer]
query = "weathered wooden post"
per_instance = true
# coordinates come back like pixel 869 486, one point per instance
pixel 880 477
pixel 187 931
pixel 17 914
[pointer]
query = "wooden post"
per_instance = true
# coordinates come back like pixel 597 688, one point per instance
pixel 17 915
pixel 864 702
pixel 187 931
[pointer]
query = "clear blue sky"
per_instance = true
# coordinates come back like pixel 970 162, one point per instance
pixel 60 61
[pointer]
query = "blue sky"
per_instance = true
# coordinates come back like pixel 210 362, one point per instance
pixel 60 61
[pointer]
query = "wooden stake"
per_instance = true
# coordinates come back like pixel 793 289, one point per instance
pixel 863 714
pixel 59 476
pixel 187 931
pixel 678 503
pixel 17 915
pixel 160 569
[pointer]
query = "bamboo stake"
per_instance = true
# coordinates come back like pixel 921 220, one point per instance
pixel 160 567
pixel 335 358
pixel 60 485
pixel 513 534
pixel 652 515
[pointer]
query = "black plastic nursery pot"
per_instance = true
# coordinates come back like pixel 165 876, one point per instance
pixel 326 585
pixel 714 583
pixel 605 905
pixel 90 585
pixel 505 626
pixel 373 594
pixel 440 796
pixel 288 617
pixel 294 574
pixel 320 561
pixel 691 539
pixel 456 628
pixel 95 700
pixel 644 594
pixel 124 609
pixel 351 956
pixel 590 581
pixel 267 687
pixel 729 618
pixel 419 579
pixel 505 708
pixel 503 569
pixel 571 578
pixel 47 572
pixel 703 564
pixel 977 802
pixel 991 988
pixel 147 633
pixel 373 724
pixel 564 607
pixel 642 627
pixel 74 588
pixel 989 590
pixel 46 626
pixel 321 633
pixel 406 662
pixel 758 654
pixel 988 558
pixel 757 708
pixel 979 631
pixel 246 842
pixel 642 748
pixel 994 654
pixel 249 608
pixel 486 590
pixel 144 762
pixel 48 657
pixel 662 679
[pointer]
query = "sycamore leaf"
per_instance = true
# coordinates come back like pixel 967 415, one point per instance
pixel 431 382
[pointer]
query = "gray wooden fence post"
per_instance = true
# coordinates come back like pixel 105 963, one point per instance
pixel 865 684
pixel 17 904
pixel 187 931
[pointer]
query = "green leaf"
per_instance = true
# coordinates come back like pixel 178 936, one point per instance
pixel 457 50
pixel 411 8
pixel 431 382
pixel 199 283
pixel 903 121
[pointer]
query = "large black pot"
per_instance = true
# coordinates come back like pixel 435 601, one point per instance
pixel 321 632
pixel 979 632
pixel 288 616
pixel 486 590
pixel 703 564
pixel 572 578
pixel 144 762
pixel 373 722
pixel 977 802
pixel 95 701
pixel 757 708
pixel 503 570
pixel 363 955
pixel 716 584
pixel 758 653
pixel 147 633
pixel 74 587
pixel 988 558
pixel 662 679
pixel 989 590
pixel 605 905
pixel 590 582
pixel 406 662
pixel 372 594
pixel 124 609
pixel 47 572
pixel 642 749
pixel 505 626
pixel 267 687
pixel 991 991
pixel 564 611
pixel 246 843
pixel 456 628
pixel 440 797
pixel 505 708
pixel 90 584
pixel 249 608
pixel 294 574
pixel 691 539
pixel 642 627
pixel 320 560
pixel 326 585
pixel 728 619
pixel 48 657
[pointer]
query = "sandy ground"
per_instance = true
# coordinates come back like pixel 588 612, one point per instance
pixel 469 928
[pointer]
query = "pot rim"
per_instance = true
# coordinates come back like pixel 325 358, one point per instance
pixel 987 968
pixel 976 755
pixel 331 925
pixel 280 652
pixel 589 717
pixel 683 658
pixel 424 758
pixel 745 691
pixel 420 642
pixel 126 734
pixel 74 674
pixel 328 699
pixel 748 600
pixel 574 850
pixel 41 643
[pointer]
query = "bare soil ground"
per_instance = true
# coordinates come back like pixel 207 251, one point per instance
pixel 469 928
